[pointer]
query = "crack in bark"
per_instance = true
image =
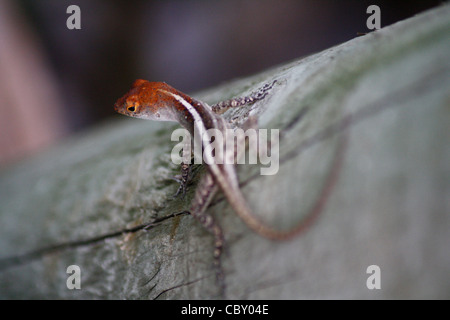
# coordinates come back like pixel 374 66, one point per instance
pixel 38 253
pixel 178 286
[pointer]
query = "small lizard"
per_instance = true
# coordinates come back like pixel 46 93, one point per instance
pixel 159 101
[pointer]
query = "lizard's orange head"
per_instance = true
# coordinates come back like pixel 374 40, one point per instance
pixel 147 100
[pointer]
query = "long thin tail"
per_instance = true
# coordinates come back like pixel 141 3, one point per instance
pixel 242 209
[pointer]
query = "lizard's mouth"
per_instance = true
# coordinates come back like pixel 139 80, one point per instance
pixel 118 109
pixel 118 106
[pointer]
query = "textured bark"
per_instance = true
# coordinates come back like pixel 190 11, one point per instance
pixel 365 145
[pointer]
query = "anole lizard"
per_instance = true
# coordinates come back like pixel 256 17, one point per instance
pixel 161 102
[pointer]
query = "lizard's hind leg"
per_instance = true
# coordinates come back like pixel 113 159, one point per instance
pixel 206 190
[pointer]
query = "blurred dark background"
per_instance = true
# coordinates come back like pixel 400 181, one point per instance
pixel 55 81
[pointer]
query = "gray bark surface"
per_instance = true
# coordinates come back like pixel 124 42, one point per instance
pixel 365 144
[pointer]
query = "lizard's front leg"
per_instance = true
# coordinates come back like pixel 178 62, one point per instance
pixel 183 179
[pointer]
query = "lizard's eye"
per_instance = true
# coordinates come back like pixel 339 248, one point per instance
pixel 131 108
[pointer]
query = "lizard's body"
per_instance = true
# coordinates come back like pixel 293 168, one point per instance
pixel 159 101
